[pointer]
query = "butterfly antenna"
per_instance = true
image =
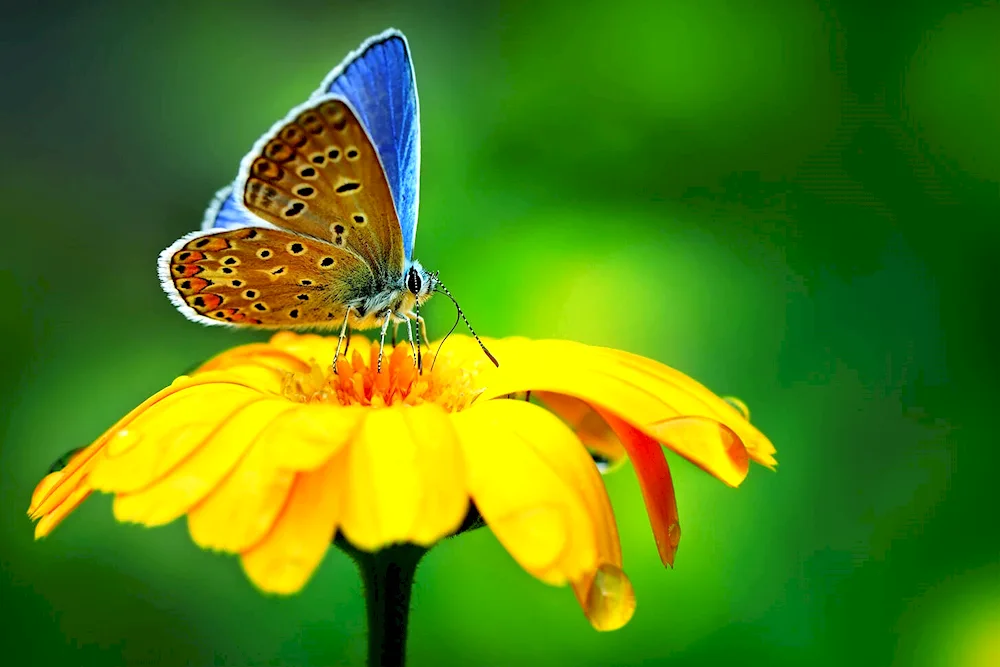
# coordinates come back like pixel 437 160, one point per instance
pixel 444 290
pixel 441 344
pixel 420 360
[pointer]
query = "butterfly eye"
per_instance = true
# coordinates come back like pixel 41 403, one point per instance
pixel 413 281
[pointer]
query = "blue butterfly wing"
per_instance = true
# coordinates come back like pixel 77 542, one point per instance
pixel 377 79
pixel 225 212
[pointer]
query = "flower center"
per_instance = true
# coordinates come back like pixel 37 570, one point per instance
pixel 358 382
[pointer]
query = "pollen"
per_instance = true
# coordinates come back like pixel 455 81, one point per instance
pixel 358 382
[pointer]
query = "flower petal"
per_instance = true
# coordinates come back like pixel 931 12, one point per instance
pixel 241 510
pixel 657 486
pixel 589 426
pixel 196 476
pixel 285 559
pixel 536 488
pixel 641 392
pixel 306 436
pixel 406 481
pixel 167 433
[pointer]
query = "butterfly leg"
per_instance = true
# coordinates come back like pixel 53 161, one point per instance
pixel 381 340
pixel 340 341
pixel 413 348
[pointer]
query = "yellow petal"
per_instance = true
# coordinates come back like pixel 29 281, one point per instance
pixel 285 559
pixel 535 486
pixel 308 435
pixel 52 519
pixel 167 433
pixel 406 479
pixel 196 476
pixel 240 511
pixel 642 393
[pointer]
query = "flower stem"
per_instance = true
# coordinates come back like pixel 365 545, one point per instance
pixel 387 576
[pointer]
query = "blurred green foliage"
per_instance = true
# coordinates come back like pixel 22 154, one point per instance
pixel 794 201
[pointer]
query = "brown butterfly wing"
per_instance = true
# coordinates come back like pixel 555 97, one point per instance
pixel 319 174
pixel 262 277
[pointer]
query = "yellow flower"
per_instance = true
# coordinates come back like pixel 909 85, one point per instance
pixel 270 455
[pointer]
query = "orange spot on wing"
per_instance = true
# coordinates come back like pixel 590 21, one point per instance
pixel 193 284
pixel 205 302
pixel 187 270
pixel 210 243
pixel 188 256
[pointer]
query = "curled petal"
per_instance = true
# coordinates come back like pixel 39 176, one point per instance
pixel 284 560
pixel 537 488
pixel 640 392
pixel 589 426
pixel 657 486
pixel 406 479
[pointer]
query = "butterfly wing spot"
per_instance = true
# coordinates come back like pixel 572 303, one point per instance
pixel 267 170
pixel 247 234
pixel 279 151
pixel 187 257
pixel 295 248
pixel 294 136
pixel 193 284
pixel 302 297
pixel 229 260
pixel 236 283
pixel 296 208
pixel 187 270
pixel 226 270
pixel 315 158
pixel 346 187
pixel 352 153
pixel 293 313
pixel 261 306
pixel 305 282
pixel 309 172
pixel 264 253
pixel 359 220
pixel 327 262
pixel 305 191
pixel 311 122
pixel 250 295
pixel 205 301
pixel 334 154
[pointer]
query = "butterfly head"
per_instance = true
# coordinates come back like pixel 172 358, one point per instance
pixel 420 282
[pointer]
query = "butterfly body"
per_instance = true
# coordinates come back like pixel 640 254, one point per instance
pixel 317 230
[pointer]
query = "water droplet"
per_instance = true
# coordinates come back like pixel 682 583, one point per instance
pixel 674 535
pixel 122 441
pixel 740 406
pixel 611 599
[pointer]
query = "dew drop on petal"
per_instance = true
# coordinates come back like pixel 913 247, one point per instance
pixel 740 406
pixel 611 599
pixel 674 535
pixel 122 441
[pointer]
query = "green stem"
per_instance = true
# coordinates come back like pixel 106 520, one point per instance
pixel 387 576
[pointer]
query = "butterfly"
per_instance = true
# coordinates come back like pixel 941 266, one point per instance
pixel 317 230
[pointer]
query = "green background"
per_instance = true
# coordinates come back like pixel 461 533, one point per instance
pixel 793 201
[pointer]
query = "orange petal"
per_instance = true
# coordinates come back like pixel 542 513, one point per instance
pixel 196 476
pixel 406 481
pixel 537 488
pixel 285 559
pixel 657 486
pixel 590 427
